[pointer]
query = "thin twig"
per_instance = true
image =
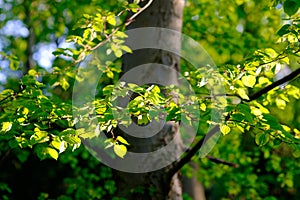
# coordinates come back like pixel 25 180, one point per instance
pixel 221 161
pixel 137 13
pixel 129 21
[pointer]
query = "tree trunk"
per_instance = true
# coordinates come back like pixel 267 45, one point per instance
pixel 158 184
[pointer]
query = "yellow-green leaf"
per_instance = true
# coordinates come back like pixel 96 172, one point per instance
pixel 21 119
pixel 51 152
pixel 120 150
pixel 118 53
pixel 72 139
pixel 225 129
pixel 202 107
pixel 249 80
pixel 281 104
pixel 56 144
pixel 111 20
pixel 25 111
pixel 64 83
pixel 126 49
pixel 242 93
pixel 6 126
pixel 122 140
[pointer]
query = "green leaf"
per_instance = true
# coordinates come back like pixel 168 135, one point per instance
pixel 120 150
pixel 108 89
pixel 246 111
pixel 249 80
pixel 142 119
pixel 290 7
pixel 72 139
pixel 272 121
pixel 224 129
pixel 14 64
pixel 277 142
pixel 284 30
pixel 261 138
pixel 6 126
pixel 64 83
pixel 121 34
pixel 238 117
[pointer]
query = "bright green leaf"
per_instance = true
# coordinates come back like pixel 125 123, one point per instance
pixel 242 93
pixel 51 152
pixel 224 129
pixel 120 150
pixel 281 104
pixel 64 83
pixel 249 80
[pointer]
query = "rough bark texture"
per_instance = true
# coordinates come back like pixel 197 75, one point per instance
pixel 30 40
pixel 158 184
pixel 191 186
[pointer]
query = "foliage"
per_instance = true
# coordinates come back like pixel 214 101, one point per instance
pixel 36 114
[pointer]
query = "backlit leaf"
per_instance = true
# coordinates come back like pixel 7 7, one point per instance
pixel 224 129
pixel 6 126
pixel 242 93
pixel 122 140
pixel 120 150
pixel 249 80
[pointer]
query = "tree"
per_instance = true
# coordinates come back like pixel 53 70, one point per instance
pixel 38 116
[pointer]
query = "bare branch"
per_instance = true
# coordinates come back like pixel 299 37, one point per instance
pixel 129 21
pixel 221 161
pixel 188 156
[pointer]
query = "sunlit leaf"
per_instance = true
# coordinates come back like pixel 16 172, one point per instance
pixel 120 150
pixel 122 140
pixel 6 126
pixel 242 93
pixel 224 129
pixel 249 80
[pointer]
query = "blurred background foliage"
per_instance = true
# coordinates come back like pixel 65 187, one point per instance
pixel 231 31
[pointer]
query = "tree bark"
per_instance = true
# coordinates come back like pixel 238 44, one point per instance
pixel 158 184
pixel 30 39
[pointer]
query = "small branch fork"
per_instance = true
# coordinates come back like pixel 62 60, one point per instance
pixel 128 21
pixel 191 152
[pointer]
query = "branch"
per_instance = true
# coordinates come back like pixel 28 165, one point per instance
pixel 287 78
pixel 30 40
pixel 188 156
pixel 220 161
pixel 128 21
